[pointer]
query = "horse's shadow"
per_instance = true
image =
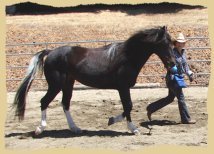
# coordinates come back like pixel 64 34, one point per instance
pixel 66 133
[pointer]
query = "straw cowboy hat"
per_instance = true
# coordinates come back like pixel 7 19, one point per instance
pixel 180 38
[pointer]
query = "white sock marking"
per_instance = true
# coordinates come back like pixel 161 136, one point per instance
pixel 43 124
pixel 118 118
pixel 132 128
pixel 71 123
pixel 43 121
pixel 69 119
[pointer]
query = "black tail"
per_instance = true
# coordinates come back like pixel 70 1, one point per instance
pixel 20 98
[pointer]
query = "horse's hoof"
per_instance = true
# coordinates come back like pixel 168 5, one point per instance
pixel 136 132
pixel 38 131
pixel 111 121
pixel 76 130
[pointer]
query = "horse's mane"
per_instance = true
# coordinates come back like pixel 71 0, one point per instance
pixel 153 35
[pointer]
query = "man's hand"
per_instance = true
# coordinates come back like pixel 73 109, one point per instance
pixel 191 77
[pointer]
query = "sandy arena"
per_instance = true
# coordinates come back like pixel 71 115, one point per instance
pixel 91 110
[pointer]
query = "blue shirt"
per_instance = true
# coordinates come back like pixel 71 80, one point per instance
pixel 181 62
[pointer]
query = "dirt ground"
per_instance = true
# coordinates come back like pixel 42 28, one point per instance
pixel 91 110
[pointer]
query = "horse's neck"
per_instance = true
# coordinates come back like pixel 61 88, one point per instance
pixel 138 56
pixel 143 60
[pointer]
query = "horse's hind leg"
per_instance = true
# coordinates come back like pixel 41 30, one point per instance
pixel 45 101
pixel 54 87
pixel 67 90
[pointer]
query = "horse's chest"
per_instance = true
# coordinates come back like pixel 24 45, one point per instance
pixel 127 75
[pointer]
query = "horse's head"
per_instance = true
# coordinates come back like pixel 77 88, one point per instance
pixel 143 44
pixel 164 47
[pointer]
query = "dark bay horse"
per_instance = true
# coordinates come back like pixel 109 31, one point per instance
pixel 115 66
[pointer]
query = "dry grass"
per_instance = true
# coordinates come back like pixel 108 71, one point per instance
pixel 103 25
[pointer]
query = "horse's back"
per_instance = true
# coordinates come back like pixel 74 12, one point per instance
pixel 95 67
pixel 65 57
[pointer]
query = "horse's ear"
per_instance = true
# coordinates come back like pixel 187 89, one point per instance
pixel 164 28
pixel 162 33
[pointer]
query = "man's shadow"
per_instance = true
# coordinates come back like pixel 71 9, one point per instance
pixel 149 124
pixel 158 122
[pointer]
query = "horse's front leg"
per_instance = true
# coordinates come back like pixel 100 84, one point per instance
pixel 120 118
pixel 127 107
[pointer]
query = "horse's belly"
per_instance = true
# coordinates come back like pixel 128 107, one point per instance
pixel 102 82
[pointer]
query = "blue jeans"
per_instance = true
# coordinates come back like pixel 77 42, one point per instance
pixel 174 91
